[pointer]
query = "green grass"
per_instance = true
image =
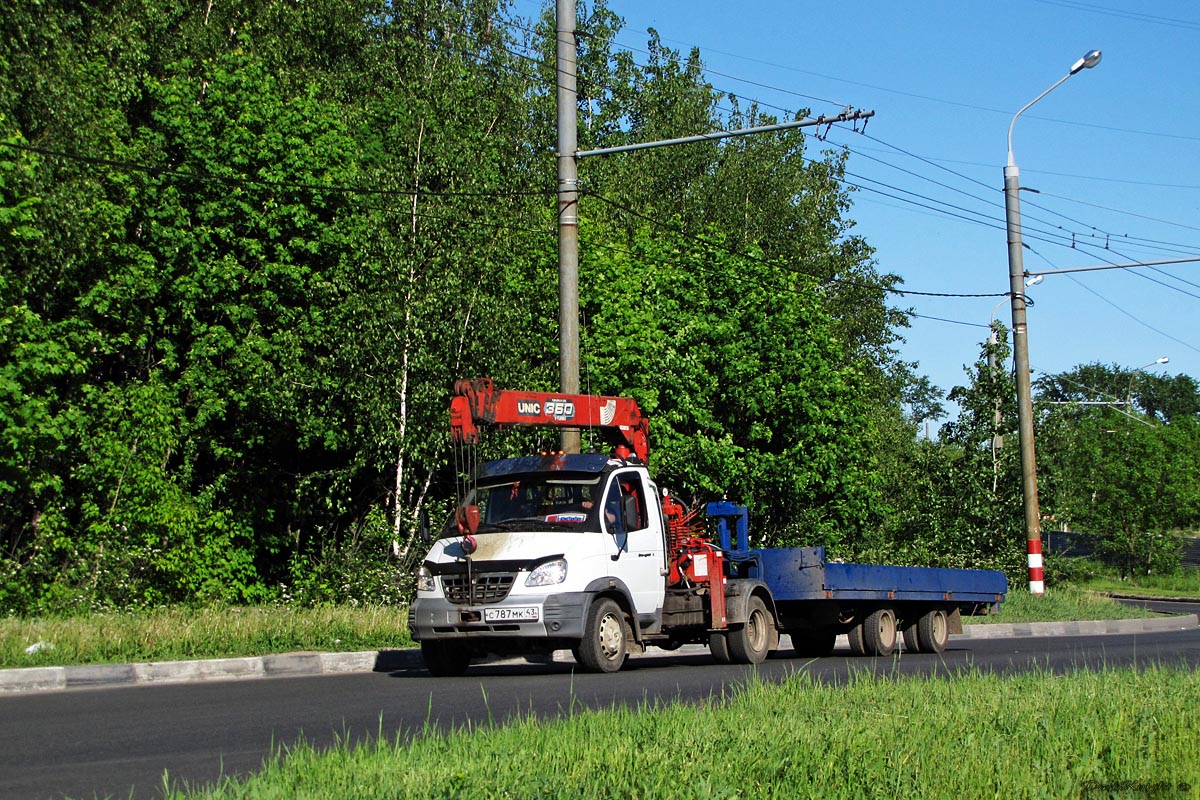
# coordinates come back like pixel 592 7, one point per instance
pixel 1061 603
pixel 1185 583
pixel 1118 733
pixel 182 633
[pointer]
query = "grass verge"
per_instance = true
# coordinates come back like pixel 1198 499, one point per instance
pixel 1061 603
pixel 170 634
pixel 183 633
pixel 1186 583
pixel 1118 733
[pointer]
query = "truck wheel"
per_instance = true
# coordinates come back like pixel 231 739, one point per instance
pixel 605 635
pixel 718 644
pixel 813 644
pixel 855 635
pixel 445 659
pixel 933 631
pixel 879 632
pixel 911 643
pixel 751 643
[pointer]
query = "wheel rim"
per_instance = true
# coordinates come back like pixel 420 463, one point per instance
pixel 887 631
pixel 612 637
pixel 756 630
pixel 940 628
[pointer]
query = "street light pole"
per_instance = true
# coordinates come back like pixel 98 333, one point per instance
pixel 568 211
pixel 1016 277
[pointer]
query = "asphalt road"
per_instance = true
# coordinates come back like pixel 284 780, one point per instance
pixel 1161 606
pixel 120 741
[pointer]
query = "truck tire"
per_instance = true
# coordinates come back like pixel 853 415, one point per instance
pixel 879 632
pixel 445 659
pixel 933 631
pixel 751 643
pixel 605 638
pixel 718 645
pixel 855 635
pixel 813 644
pixel 911 643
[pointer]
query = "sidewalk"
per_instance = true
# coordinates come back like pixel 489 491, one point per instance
pixel 95 676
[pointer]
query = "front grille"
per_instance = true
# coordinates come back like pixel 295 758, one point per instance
pixel 490 587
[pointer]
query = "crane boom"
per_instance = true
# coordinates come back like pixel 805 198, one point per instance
pixel 618 419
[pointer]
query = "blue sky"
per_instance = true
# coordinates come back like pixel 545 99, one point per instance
pixel 1114 153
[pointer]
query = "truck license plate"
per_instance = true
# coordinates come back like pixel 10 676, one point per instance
pixel 511 614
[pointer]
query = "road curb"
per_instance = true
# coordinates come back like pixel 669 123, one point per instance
pixel 95 676
pixel 1087 628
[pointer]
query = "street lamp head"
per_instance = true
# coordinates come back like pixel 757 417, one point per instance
pixel 1090 59
pixel 1156 362
pixel 1034 280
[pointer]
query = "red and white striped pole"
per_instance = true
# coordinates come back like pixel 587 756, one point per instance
pixel 1036 578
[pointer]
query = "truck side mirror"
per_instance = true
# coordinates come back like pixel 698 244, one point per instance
pixel 629 512
pixel 423 527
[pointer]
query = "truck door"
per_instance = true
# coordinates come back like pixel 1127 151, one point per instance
pixel 631 516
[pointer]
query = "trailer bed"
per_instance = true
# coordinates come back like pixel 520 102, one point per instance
pixel 802 573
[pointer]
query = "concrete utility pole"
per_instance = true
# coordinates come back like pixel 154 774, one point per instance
pixel 1016 283
pixel 568 212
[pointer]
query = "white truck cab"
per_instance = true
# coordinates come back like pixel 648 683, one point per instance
pixel 569 552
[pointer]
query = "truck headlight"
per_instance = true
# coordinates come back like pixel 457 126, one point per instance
pixel 548 574
pixel 425 580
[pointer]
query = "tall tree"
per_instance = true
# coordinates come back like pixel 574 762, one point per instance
pixel 248 248
pixel 959 500
pixel 750 393
pixel 1117 447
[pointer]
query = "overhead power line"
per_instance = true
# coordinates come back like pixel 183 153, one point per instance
pixel 857 283
pixel 1122 310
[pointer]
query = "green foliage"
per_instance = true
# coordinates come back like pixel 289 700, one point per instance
pixel 956 502
pixel 749 391
pixel 258 243
pixel 237 365
pixel 350 571
pixel 1128 480
pixel 247 249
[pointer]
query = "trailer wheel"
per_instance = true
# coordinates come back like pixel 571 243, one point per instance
pixel 445 659
pixel 912 644
pixel 751 643
pixel 933 631
pixel 718 645
pixel 855 635
pixel 605 638
pixel 813 644
pixel 879 632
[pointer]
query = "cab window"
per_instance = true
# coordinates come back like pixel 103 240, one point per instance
pixel 626 485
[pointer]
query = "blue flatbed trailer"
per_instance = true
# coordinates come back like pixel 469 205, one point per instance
pixel 816 599
pixel 802 573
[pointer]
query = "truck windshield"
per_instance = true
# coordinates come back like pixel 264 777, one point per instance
pixel 538 502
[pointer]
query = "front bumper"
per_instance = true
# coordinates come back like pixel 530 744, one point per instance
pixel 560 617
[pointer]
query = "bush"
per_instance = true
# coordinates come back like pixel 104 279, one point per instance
pixel 357 570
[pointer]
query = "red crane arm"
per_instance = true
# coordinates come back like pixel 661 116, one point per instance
pixel 479 402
